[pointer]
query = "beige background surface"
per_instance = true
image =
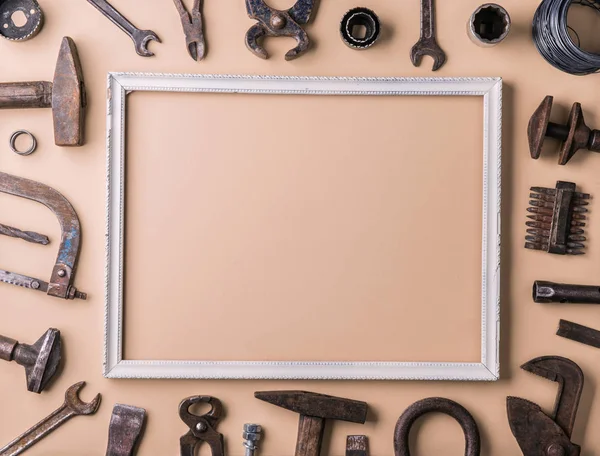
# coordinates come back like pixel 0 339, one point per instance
pixel 527 328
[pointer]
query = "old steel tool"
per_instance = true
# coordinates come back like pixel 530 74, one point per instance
pixel 488 25
pixel 579 333
pixel 558 219
pixel 73 406
pixel 202 428
pixel 436 405
pixel 125 430
pixel 427 44
pixel 273 22
pixel 252 434
pixel 193 28
pixel 545 292
pixel 140 38
pixel 65 95
pixel 357 445
pixel 536 432
pixel 358 18
pixel 63 274
pixel 29 236
pixel 34 19
pixel 574 135
pixel 314 409
pixel 40 360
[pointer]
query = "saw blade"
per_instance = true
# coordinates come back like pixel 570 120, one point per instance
pixel 23 281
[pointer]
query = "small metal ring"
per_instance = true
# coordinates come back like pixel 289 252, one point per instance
pixel 357 17
pixel 13 140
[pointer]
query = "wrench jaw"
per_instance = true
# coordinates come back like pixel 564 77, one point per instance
pixel 141 38
pixel 428 48
pixel 77 405
pixel 253 36
pixel 302 46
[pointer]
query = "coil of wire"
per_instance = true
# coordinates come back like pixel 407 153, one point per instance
pixel 552 39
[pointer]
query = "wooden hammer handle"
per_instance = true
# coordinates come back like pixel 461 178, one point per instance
pixel 25 94
pixel 310 435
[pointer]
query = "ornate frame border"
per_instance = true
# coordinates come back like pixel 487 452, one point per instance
pixel 120 84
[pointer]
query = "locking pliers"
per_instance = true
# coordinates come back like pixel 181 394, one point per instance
pixel 540 434
pixel 202 427
pixel 273 22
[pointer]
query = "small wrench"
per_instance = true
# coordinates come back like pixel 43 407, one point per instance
pixel 71 407
pixel 427 44
pixel 140 37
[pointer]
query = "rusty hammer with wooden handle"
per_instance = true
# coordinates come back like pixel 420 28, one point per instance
pixel 65 95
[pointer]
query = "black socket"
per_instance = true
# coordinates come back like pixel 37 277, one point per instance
pixel 360 28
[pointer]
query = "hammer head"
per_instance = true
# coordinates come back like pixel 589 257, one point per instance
pixel 42 360
pixel 317 405
pixel 68 97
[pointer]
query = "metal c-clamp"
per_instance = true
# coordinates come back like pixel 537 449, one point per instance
pixel 273 22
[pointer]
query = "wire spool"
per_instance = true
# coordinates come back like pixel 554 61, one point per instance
pixel 552 39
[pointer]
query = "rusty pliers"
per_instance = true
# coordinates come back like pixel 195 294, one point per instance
pixel 273 22
pixel 536 432
pixel 202 427
pixel 193 28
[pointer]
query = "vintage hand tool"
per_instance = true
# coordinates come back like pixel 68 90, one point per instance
pixel 140 37
pixel 579 333
pixel 488 25
pixel 125 430
pixel 574 135
pixel 40 360
pixel 360 17
pixel 558 219
pixel 29 236
pixel 437 405
pixel 272 22
pixel 251 435
pixel 314 409
pixel 72 406
pixel 193 28
pixel 65 95
pixel 63 274
pixel 202 428
pixel 357 445
pixel 33 15
pixel 536 432
pixel 427 44
pixel 545 292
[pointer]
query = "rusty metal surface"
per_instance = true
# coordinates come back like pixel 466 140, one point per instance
pixel 193 28
pixel 536 432
pixel 314 409
pixel 140 38
pixel 558 218
pixel 29 236
pixel 545 292
pixel 40 360
pixel 251 434
pixel 427 44
pixel 33 15
pixel 73 406
pixel 357 445
pixel 579 333
pixel 574 135
pixel 63 273
pixel 436 405
pixel 273 22
pixel 125 430
pixel 23 95
pixel 202 427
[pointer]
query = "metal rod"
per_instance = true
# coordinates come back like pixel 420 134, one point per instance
pixel 545 292
pixel 579 333
pixel 29 236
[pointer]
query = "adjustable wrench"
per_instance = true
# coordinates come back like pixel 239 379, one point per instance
pixel 427 44
pixel 140 37
pixel 72 406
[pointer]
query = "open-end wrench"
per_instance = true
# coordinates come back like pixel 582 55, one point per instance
pixel 71 407
pixel 140 37
pixel 427 44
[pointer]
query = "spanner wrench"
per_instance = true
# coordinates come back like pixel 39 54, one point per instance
pixel 427 44
pixel 140 37
pixel 72 406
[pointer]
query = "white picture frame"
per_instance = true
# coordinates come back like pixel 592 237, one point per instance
pixel 488 369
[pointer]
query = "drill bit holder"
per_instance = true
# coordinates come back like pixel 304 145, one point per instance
pixel 574 135
pixel 557 219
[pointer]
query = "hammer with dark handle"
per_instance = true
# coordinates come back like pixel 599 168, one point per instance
pixel 65 95
pixel 314 409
